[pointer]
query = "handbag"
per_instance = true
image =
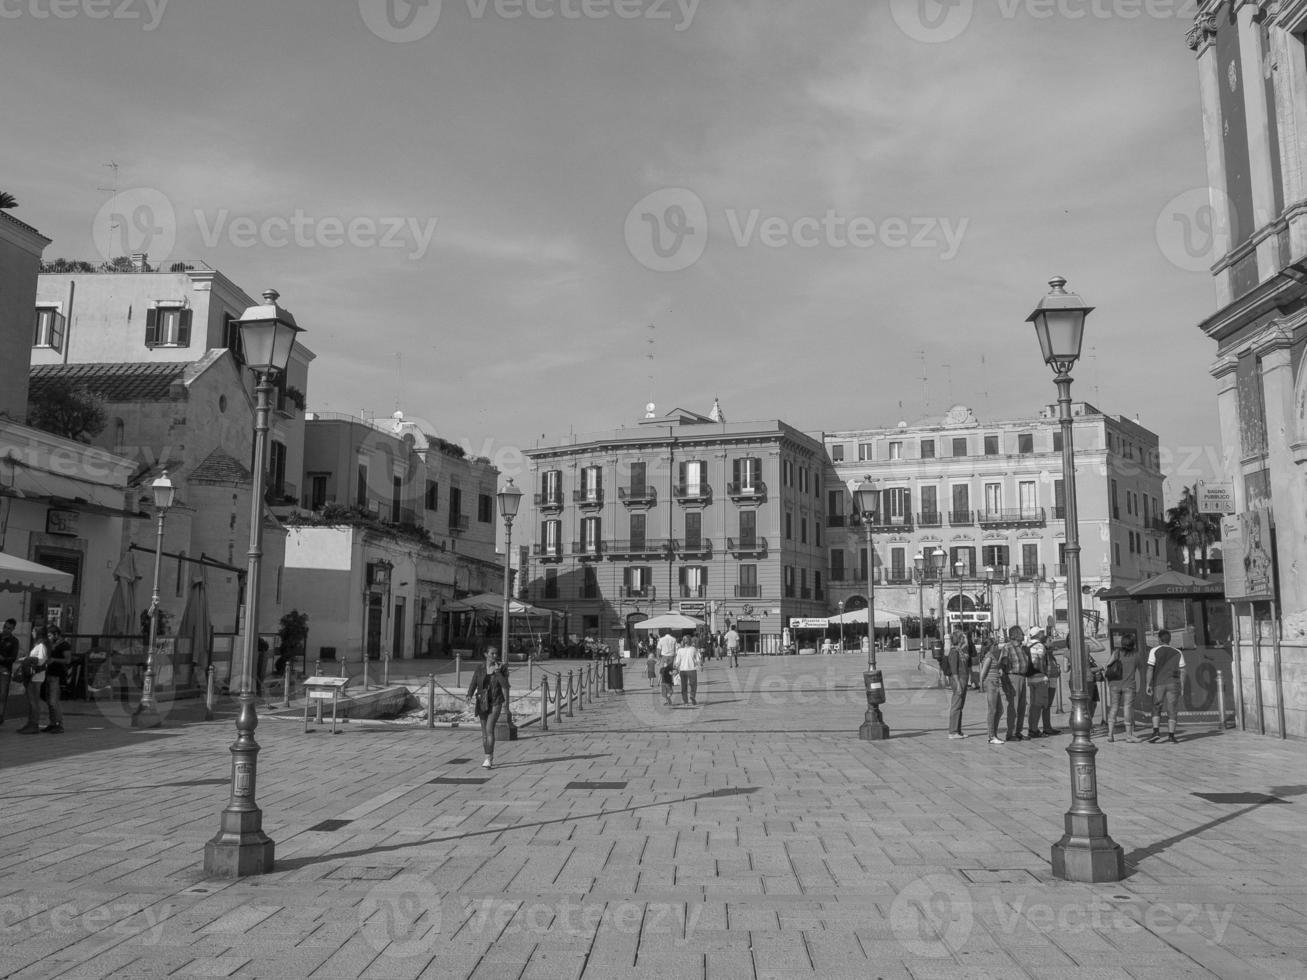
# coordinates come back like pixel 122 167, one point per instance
pixel 1113 671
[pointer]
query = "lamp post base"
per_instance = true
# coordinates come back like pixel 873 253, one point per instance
pixel 1086 852
pixel 504 729
pixel 873 731
pixel 241 850
pixel 145 716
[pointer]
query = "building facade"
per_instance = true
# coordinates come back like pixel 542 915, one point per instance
pixel 394 524
pixel 721 520
pixel 991 496
pixel 1252 67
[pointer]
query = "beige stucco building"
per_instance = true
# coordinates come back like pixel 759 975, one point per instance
pixel 1252 71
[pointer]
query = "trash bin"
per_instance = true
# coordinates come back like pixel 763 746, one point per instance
pixel 615 676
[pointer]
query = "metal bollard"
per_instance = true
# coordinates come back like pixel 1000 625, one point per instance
pixel 285 702
pixel 208 693
pixel 1220 699
pixel 365 670
pixel 385 663
pixel 569 694
pixel 342 666
pixel 431 700
pixel 544 702
pixel 558 697
pixel 580 689
pixel 458 670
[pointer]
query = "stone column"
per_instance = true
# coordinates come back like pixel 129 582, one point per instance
pixel 1203 42
pixel 1258 115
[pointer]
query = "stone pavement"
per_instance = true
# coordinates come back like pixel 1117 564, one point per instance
pixel 753 836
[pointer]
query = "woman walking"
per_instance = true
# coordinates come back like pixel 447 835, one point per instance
pixel 488 694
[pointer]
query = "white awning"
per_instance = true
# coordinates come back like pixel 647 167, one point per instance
pixel 20 575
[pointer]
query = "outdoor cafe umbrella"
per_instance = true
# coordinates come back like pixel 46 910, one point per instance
pixel 195 625
pixel 120 618
pixel 19 575
pixel 669 621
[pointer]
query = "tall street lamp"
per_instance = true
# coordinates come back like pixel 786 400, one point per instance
pixel 241 847
pixel 1086 852
pixel 989 594
pixel 510 498
pixel 146 714
pixel 919 563
pixel 873 727
pixel 840 604
pixel 960 568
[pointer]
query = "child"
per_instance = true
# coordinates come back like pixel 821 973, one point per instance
pixel 651 666
pixel 665 673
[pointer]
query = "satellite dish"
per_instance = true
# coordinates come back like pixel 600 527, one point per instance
pixel 649 410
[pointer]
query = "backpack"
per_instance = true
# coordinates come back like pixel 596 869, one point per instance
pixel 1018 658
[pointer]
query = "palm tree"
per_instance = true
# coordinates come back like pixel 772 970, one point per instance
pixel 7 200
pixel 1189 528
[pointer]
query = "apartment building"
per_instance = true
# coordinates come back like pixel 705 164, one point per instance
pixel 990 495
pixel 680 511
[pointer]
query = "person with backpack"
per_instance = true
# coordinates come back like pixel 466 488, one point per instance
pixel 1017 655
pixel 994 682
pixel 1037 686
pixel 488 694
pixel 956 666
pixel 1165 684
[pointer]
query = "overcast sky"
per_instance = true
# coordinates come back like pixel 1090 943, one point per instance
pixel 478 209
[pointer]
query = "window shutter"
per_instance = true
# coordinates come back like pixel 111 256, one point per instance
pixel 735 472
pixel 680 470
pixel 57 323
pixel 184 328
pixel 152 327
pixel 626 577
pixel 682 575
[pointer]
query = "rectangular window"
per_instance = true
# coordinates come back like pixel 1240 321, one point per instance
pixel 1116 506
pixel 694 477
pixel 895 505
pixel 789 581
pixel 960 446
pixel 551 583
pixel 835 507
pixel 898 564
pixel 1059 499
pixel 1030 559
pixel 361 487
pixel 1025 443
pixel 637 531
pixel 551 534
pixel 1028 497
pixel 837 453
pixel 589 582
pixel 317 490
pixel 995 556
pixel 927 448
pixel 50 328
pixel 1129 503
pixel 431 499
pixel 694 581
pixel 961 499
pixel 991 445
pixel 638 580
pixel 396 497
pixel 993 498
pixel 168 325
pixel 231 338
pixel 816 530
pixel 485 508
pixel 864 451
pixel 1116 553
pixel 276 470
pixel 896 450
pixel 1057 440
pixel 455 504
pixel 637 477
pixel 929 505
pixel 746 473
pixel 967 556
pixel 789 526
pixel 748 528
pixel 837 565
pixel 803 530
pixel 693 531
pixel 551 488
pixel 590 535
pixel 747 583
pixel 592 483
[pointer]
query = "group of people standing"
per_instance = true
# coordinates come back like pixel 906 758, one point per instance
pixel 1018 676
pixel 674 661
pixel 41 673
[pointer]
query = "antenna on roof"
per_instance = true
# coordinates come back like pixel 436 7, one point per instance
pixel 925 397
pixel 649 355
pixel 984 381
pixel 114 222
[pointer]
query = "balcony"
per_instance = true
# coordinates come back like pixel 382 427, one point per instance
pixel 805 592
pixel 1059 513
pixel 898 576
pixel 637 548
pixel 699 548
pixel 752 547
pixel 837 575
pixel 747 491
pixel 697 493
pixel 549 552
pixel 930 518
pixel 593 497
pixel 818 593
pixel 458 523
pixel 553 500
pixel 587 549
pixel 638 496
pixel 1023 517
pixel 694 592
pixel 836 520
pixel 1028 573
pixel 961 518
pixel 748 592
pixel 638 592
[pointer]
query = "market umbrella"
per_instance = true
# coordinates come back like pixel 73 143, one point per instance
pixel 884 617
pixel 120 618
pixel 669 621
pixel 19 575
pixel 195 627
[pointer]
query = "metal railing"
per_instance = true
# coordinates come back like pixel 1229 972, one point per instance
pixel 549 501
pixel 657 547
pixel 747 491
pixel 748 591
pixel 548 550
pixel 747 546
pixel 640 592
pixel 637 495
pixel 1026 515
pixel 588 548
pixel 961 517
pixel 692 492
pixel 593 497
pixel 700 548
pixel 458 522
pixel 930 518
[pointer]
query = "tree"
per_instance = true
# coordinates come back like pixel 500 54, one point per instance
pixel 68 410
pixel 1189 528
pixel 7 201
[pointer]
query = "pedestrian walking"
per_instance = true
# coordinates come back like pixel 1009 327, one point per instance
pixel 1036 684
pixel 733 646
pixel 488 694
pixel 59 662
pixel 651 668
pixel 688 662
pixel 1122 674
pixel 33 675
pixel 1017 655
pixel 8 657
pixel 1165 684
pixel 666 645
pixel 994 682
pixel 665 672
pixel 957 668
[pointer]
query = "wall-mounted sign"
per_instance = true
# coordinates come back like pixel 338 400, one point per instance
pixel 1216 497
pixel 60 521
pixel 692 608
pixel 1246 546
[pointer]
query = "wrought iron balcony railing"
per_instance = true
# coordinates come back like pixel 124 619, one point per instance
pixel 632 496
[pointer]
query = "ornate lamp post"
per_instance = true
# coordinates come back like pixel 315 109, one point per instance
pixel 919 563
pixel 241 847
pixel 1086 852
pixel 146 714
pixel 510 498
pixel 840 604
pixel 959 569
pixel 989 594
pixel 873 727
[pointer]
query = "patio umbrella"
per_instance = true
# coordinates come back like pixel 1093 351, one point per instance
pixel 18 575
pixel 196 628
pixel 120 618
pixel 884 617
pixel 669 621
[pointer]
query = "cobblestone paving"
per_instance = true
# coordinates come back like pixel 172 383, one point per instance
pixel 753 836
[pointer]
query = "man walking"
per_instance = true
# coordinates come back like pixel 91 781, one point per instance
pixel 688 660
pixel 8 657
pixel 1018 667
pixel 1165 683
pixel 733 646
pixel 957 668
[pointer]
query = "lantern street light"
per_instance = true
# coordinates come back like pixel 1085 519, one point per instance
pixel 1086 852
pixel 989 593
pixel 960 568
pixel 840 605
pixel 510 498
pixel 873 727
pixel 146 714
pixel 240 848
pixel 919 563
